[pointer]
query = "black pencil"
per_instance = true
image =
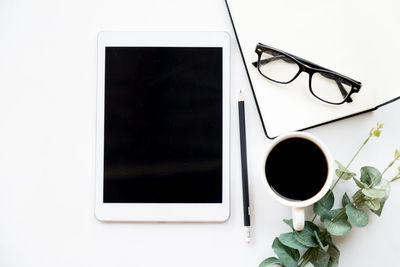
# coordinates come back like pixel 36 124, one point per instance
pixel 245 182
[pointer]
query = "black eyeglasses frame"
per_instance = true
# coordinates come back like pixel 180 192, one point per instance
pixel 310 68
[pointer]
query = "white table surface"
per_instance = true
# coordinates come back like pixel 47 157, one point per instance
pixel 47 130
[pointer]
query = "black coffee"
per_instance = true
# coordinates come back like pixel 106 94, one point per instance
pixel 296 169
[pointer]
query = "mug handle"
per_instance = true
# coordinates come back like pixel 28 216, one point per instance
pixel 298 218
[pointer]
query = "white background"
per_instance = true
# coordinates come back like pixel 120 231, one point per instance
pixel 47 130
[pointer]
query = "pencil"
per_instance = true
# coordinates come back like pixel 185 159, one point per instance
pixel 245 182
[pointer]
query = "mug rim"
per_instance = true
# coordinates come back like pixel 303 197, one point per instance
pixel 330 172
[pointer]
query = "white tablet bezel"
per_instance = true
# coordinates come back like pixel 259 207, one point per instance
pixel 187 212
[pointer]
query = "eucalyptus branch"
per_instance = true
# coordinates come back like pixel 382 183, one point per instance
pixel 360 197
pixel 317 239
pixel 351 161
pixel 373 132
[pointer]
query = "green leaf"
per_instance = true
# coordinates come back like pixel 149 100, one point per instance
pixel 335 212
pixel 306 236
pixel 331 244
pixel 373 204
pixel 321 259
pixel 328 200
pixel 289 240
pixel 323 206
pixel 333 257
pixel 356 216
pixel 370 175
pixel 358 194
pixel 331 214
pixel 385 186
pixel 359 183
pixel 287 256
pixel 339 228
pixel 324 248
pixel 289 222
pixel 271 261
pixel 345 200
pixel 323 212
pixel 374 193
pixel 379 211
pixel 343 173
pixel 340 165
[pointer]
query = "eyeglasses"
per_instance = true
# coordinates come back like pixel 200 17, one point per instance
pixel 326 85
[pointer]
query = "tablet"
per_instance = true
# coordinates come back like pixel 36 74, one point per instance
pixel 163 126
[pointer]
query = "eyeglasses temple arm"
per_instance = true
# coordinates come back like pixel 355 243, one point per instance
pixel 267 60
pixel 313 65
pixel 343 91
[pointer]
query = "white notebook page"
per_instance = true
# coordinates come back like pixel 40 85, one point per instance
pixel 347 37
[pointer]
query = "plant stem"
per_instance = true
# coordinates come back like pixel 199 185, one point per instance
pixel 306 257
pixel 395 179
pixel 387 167
pixel 390 165
pixel 301 260
pixel 358 151
pixel 348 165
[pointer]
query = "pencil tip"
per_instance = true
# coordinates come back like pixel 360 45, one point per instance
pixel 247 237
pixel 241 98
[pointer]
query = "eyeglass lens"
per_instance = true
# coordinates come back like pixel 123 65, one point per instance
pixel 330 88
pixel 278 67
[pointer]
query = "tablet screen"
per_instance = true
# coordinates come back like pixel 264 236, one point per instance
pixel 163 125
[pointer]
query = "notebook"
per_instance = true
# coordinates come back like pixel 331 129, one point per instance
pixel 358 39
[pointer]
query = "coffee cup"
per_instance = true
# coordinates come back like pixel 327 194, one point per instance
pixel 297 171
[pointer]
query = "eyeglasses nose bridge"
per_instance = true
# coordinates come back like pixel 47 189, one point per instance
pixel 307 70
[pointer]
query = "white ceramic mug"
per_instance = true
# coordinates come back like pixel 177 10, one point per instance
pixel 298 206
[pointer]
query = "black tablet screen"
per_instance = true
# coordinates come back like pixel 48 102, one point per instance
pixel 163 125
